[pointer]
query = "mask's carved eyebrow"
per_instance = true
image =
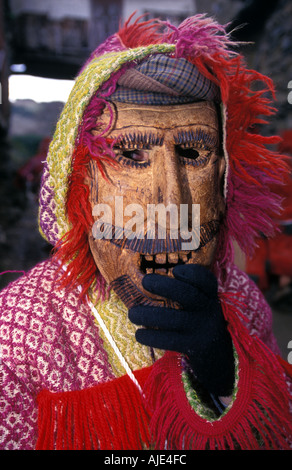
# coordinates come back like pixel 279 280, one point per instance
pixel 138 140
pixel 199 136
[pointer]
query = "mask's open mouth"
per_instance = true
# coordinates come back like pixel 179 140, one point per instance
pixel 163 263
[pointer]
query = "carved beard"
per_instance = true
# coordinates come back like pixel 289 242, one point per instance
pixel 167 155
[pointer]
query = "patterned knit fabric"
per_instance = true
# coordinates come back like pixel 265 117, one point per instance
pixel 49 341
pixel 114 314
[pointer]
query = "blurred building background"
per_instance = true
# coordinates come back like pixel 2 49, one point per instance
pixel 52 39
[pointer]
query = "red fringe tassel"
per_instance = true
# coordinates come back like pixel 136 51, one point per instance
pixel 109 416
pixel 259 417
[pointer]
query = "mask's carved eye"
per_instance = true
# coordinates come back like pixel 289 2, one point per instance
pixel 133 148
pixel 195 147
pixel 136 155
pixel 187 152
pixel 132 157
pixel 193 156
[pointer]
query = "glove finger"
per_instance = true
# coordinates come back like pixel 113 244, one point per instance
pixel 197 276
pixel 161 317
pixel 188 296
pixel 166 340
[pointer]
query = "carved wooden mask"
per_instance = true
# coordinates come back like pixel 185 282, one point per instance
pixel 166 155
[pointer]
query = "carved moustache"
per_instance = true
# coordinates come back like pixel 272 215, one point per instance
pixel 160 255
pixel 151 244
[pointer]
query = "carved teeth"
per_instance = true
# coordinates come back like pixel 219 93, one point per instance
pixel 183 257
pixel 161 271
pixel 163 263
pixel 160 258
pixel 172 258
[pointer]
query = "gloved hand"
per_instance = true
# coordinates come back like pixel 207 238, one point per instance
pixel 197 330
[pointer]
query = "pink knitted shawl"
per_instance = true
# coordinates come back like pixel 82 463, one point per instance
pixel 49 341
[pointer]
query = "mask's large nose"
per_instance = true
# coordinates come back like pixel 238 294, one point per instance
pixel 170 186
pixel 167 184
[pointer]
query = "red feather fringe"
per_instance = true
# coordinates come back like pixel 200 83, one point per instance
pixel 74 247
pixel 140 33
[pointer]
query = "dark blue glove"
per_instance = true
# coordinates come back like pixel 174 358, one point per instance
pixel 197 330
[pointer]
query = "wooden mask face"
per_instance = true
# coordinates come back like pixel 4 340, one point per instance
pixel 166 155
